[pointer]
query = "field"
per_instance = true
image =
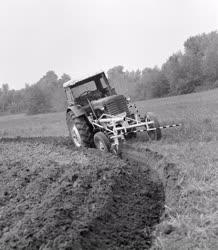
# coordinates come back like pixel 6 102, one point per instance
pixel 189 222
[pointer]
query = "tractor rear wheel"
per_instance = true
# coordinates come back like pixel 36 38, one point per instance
pixel 102 142
pixel 156 134
pixel 79 130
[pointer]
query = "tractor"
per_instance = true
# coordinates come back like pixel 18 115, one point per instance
pixel 98 117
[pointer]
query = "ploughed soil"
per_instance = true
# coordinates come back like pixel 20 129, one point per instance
pixel 55 197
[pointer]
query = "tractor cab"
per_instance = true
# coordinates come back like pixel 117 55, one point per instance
pixel 93 96
pixel 91 88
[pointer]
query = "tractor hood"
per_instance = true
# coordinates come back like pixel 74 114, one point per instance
pixel 105 100
pixel 113 105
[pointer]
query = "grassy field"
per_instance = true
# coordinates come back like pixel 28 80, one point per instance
pixel 30 126
pixel 193 147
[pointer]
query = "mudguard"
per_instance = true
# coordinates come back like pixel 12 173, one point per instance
pixel 77 110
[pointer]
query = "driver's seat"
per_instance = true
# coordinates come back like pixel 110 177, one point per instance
pixel 92 95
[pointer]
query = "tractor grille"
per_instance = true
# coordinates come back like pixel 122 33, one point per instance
pixel 117 105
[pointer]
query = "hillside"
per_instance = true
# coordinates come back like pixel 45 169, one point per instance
pixel 185 108
pixel 200 105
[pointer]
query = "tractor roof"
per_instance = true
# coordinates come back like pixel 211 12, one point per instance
pixel 83 80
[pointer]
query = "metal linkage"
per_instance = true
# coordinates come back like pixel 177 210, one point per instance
pixel 118 126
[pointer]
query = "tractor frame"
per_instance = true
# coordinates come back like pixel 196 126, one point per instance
pixel 102 118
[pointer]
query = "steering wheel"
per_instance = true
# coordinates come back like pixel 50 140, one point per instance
pixel 85 93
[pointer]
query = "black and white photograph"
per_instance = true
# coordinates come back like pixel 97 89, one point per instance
pixel 108 124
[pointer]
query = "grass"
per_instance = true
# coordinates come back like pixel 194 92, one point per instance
pixel 193 147
pixel 194 216
pixel 52 124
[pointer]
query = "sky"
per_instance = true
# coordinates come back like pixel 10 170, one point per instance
pixel 80 37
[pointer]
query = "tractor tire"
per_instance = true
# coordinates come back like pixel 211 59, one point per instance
pixel 154 135
pixel 102 142
pixel 79 130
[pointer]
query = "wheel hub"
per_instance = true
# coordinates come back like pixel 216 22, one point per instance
pixel 101 146
pixel 76 136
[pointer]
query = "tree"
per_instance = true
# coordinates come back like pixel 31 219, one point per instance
pixel 124 81
pixel 5 88
pixel 4 102
pixel 64 78
pixel 49 80
pixel 153 84
pixel 116 71
pixel 116 78
pixel 210 61
pixel 37 101
pixel 180 72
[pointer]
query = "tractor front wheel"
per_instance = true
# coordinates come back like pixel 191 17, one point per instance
pixel 154 134
pixel 79 130
pixel 102 142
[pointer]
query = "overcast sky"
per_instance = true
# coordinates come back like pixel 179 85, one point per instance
pixel 84 36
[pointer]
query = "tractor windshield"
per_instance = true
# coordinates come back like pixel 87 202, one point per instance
pixel 90 90
pixel 82 89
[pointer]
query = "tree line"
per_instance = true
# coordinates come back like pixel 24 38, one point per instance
pixel 195 69
pixel 47 95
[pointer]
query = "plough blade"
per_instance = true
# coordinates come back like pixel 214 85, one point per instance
pixel 132 155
